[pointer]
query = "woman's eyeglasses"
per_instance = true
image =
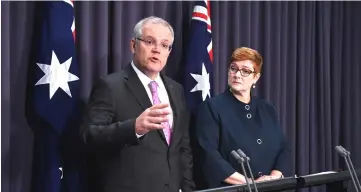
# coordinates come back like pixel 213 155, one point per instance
pixel 244 72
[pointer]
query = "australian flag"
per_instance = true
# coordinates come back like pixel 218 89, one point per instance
pixel 199 57
pixel 198 73
pixel 55 84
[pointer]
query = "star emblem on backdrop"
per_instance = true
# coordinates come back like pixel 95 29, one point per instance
pixel 57 75
pixel 203 83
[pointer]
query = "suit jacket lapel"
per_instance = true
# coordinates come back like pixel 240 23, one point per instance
pixel 137 88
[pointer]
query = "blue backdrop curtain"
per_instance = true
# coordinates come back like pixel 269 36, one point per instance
pixel 312 67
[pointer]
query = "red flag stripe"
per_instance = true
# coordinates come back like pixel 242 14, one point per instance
pixel 201 15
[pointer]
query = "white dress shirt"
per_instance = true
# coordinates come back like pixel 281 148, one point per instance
pixel 162 92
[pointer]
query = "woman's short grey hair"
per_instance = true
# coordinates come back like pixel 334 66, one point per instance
pixel 138 29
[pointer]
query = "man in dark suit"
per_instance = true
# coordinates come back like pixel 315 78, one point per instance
pixel 137 123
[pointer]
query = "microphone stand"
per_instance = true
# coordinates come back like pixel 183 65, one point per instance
pixel 241 160
pixel 346 155
pixel 240 152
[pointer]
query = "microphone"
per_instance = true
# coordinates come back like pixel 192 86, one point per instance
pixel 340 150
pixel 242 154
pixel 240 160
pixel 346 155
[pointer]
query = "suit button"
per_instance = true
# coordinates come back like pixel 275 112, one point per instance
pixel 166 185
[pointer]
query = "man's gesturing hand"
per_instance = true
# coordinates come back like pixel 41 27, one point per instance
pixel 152 118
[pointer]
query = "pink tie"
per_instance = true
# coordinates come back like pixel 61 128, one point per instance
pixel 153 89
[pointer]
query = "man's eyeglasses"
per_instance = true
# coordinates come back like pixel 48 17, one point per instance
pixel 152 43
pixel 244 72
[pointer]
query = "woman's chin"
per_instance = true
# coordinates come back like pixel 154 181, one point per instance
pixel 238 89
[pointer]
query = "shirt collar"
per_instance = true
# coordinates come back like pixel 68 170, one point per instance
pixel 145 79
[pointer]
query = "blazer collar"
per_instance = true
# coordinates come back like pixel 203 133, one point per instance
pixel 136 87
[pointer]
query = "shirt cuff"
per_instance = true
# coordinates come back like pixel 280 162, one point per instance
pixel 138 136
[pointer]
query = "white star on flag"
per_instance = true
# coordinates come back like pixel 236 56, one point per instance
pixel 203 83
pixel 61 169
pixel 57 75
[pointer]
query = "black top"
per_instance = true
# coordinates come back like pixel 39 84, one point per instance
pixel 224 124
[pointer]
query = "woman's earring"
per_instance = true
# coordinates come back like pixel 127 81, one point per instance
pixel 254 85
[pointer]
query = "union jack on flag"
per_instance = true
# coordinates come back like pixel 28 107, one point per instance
pixel 199 57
